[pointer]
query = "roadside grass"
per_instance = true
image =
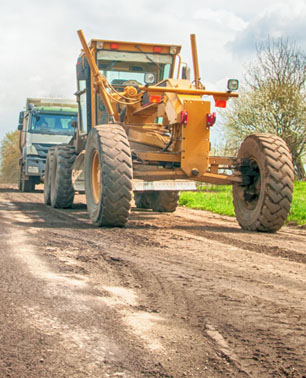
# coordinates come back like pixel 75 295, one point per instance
pixel 298 206
pixel 219 199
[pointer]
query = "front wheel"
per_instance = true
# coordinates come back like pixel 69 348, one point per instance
pixel 61 188
pixel 262 201
pixel 108 176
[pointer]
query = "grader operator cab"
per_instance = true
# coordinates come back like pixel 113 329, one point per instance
pixel 143 129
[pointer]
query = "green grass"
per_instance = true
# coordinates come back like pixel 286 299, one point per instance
pixel 298 206
pixel 218 199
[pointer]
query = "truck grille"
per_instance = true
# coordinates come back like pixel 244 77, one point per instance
pixel 42 149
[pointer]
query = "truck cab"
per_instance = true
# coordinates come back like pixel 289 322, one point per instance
pixel 44 123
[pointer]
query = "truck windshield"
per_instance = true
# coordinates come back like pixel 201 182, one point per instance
pixel 120 67
pixel 43 123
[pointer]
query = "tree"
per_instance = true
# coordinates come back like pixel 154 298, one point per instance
pixel 10 154
pixel 273 99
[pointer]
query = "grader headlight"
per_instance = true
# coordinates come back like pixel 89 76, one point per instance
pixel 232 85
pixel 149 78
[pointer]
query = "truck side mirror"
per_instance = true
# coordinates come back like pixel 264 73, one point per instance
pixel 19 127
pixel 186 72
pixel 21 117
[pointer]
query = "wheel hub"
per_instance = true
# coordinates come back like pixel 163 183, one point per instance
pixel 250 181
pixel 95 177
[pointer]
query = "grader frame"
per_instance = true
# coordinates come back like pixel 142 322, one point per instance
pixel 138 122
pixel 175 99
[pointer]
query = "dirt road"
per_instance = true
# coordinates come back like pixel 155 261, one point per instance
pixel 187 294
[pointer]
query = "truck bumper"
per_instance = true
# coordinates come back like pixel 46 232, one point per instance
pixel 34 166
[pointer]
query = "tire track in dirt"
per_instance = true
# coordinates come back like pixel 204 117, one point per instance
pixel 200 295
pixel 221 234
pixel 243 307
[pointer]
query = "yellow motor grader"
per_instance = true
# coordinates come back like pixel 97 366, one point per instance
pixel 143 127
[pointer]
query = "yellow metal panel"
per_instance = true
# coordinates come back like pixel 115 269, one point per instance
pixel 159 174
pixel 219 179
pixel 195 138
pixel 159 156
pixel 151 138
pixel 195 60
pixel 185 91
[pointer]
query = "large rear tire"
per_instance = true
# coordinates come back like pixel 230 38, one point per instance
pixel 61 190
pixel 47 179
pixel 108 176
pixel 165 201
pixel 262 202
pixel 143 200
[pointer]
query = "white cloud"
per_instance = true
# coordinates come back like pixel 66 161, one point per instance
pixel 223 19
pixel 39 45
pixel 275 21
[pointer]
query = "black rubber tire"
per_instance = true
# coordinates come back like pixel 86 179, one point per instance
pixel 61 190
pixel 110 205
pixel 27 185
pixel 20 174
pixel 263 204
pixel 165 201
pixel 47 179
pixel 143 200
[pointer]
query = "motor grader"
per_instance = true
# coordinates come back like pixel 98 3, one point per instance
pixel 144 129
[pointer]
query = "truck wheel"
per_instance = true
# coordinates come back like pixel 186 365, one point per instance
pixel 143 200
pixel 262 201
pixel 165 201
pixel 61 190
pixel 20 175
pixel 108 175
pixel 47 179
pixel 27 185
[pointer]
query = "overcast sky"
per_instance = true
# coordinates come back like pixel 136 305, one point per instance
pixel 39 44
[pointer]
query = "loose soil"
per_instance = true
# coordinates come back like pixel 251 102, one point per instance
pixel 184 294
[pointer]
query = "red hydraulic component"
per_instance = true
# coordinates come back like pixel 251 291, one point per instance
pixel 210 119
pixel 184 117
